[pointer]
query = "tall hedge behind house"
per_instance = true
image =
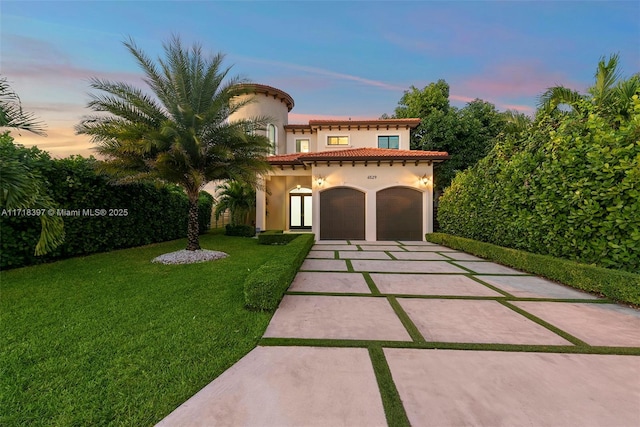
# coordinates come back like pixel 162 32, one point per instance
pixel 153 214
pixel 569 188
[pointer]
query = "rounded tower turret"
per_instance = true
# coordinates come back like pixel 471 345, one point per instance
pixel 267 102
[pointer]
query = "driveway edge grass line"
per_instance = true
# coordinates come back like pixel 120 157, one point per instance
pixel 372 285
pixel 567 336
pixel 617 285
pixel 391 401
pixel 408 324
pixel 439 345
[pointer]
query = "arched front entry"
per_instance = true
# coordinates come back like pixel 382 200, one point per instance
pixel 399 214
pixel 342 214
pixel 300 208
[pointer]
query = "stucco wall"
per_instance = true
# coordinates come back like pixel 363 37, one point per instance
pixel 266 106
pixel 362 138
pixel 371 179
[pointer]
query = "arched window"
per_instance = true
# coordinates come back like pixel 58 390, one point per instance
pixel 271 134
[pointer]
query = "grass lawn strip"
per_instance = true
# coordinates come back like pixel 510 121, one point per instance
pixel 372 286
pixel 114 339
pixel 544 324
pixel 393 408
pixel 406 320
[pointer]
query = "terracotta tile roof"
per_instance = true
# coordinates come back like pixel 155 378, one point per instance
pixel 357 154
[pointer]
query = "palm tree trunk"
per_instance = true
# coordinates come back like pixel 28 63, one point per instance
pixel 193 231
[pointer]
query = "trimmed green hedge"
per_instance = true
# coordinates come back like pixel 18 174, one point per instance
pixel 614 284
pixel 240 230
pixel 265 287
pixel 568 187
pixel 135 214
pixel 275 237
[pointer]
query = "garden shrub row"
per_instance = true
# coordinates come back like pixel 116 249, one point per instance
pixel 275 237
pixel 568 187
pixel 614 284
pixel 133 214
pixel 240 230
pixel 265 287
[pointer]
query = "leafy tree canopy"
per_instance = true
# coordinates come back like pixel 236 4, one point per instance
pixel 467 134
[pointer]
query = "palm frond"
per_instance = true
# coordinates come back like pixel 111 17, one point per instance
pixel 13 116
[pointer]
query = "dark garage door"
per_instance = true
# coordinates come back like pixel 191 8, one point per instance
pixel 399 214
pixel 341 214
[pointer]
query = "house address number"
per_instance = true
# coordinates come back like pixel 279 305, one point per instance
pixel 372 177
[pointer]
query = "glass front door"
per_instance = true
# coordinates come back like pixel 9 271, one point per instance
pixel 300 208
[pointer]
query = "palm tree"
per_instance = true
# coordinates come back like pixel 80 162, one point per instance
pixel 181 133
pixel 19 187
pixel 238 198
pixel 609 95
pixel 11 113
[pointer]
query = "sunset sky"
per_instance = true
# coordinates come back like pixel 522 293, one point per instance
pixel 336 59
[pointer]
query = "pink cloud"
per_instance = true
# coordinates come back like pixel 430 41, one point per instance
pixel 523 79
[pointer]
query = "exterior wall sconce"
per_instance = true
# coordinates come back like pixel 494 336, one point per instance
pixel 320 180
pixel 425 180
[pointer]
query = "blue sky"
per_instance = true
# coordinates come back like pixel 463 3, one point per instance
pixel 336 59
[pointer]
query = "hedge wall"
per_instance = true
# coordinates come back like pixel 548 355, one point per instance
pixel 136 214
pixel 569 188
pixel 265 287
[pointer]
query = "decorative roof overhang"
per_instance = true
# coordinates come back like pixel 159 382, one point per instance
pixel 358 155
pixel 276 93
pixel 364 124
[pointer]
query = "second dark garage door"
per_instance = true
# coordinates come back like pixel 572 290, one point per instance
pixel 342 214
pixel 399 214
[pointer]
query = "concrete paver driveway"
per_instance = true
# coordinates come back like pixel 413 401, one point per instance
pixel 378 333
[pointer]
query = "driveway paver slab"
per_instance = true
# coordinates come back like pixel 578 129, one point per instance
pixel 329 282
pixel 318 247
pixel 373 242
pixel 486 388
pixel 475 321
pixel 331 242
pixel 380 247
pixel 365 254
pixel 288 386
pixel 427 248
pixel 420 256
pixel 534 287
pixel 324 265
pixel 461 256
pixel 431 284
pixel 321 254
pixel 595 324
pixel 336 317
pixel 406 266
pixel 486 267
pixel 416 243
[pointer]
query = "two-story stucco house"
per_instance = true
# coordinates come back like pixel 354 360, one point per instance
pixel 342 179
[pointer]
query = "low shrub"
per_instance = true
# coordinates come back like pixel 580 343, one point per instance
pixel 265 287
pixel 240 230
pixel 614 284
pixel 275 237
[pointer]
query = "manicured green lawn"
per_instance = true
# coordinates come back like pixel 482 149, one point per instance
pixel 112 339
